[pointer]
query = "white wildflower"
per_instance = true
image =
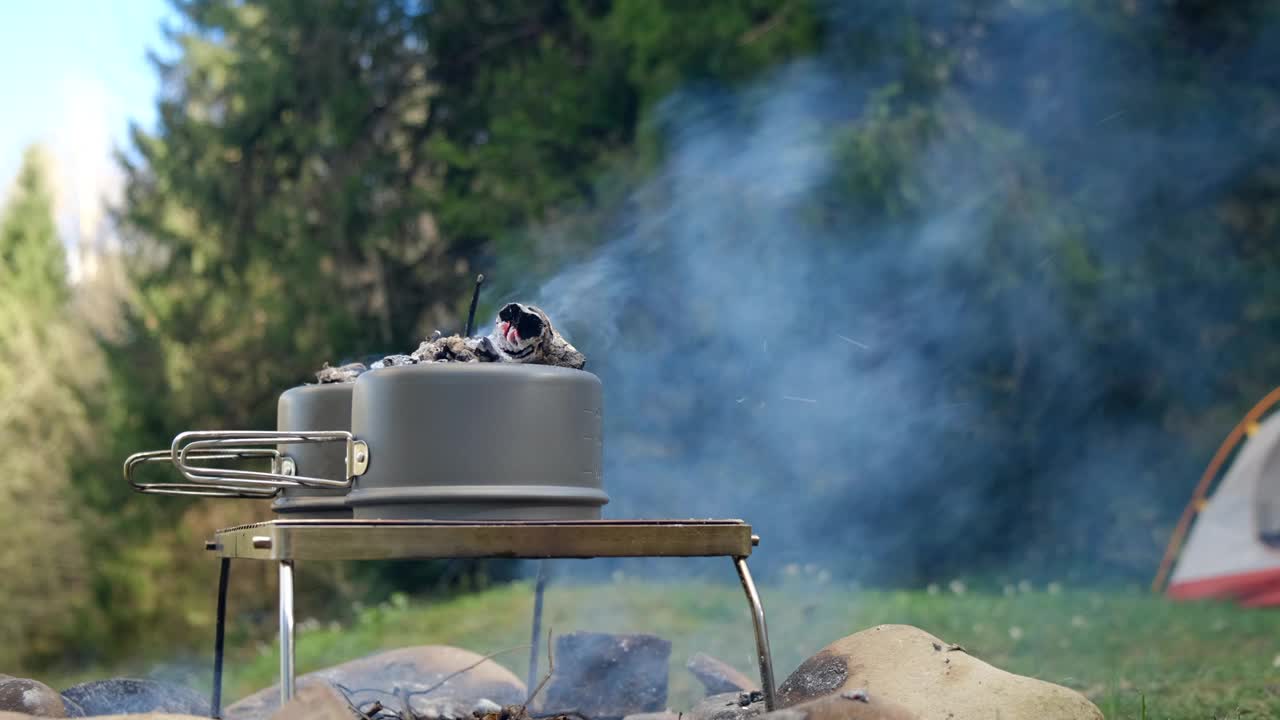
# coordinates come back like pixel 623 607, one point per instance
pixel 1015 632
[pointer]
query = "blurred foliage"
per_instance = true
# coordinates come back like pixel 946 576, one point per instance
pixel 326 178
pixel 47 364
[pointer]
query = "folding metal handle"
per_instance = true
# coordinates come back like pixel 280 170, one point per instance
pixel 199 490
pixel 189 445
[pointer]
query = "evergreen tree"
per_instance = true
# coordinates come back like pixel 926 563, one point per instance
pixel 47 363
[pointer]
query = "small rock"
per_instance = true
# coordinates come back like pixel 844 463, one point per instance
pixel 316 702
pixel 903 665
pixel 718 676
pixel 604 676
pixel 725 707
pixel 31 697
pixel 132 695
pixel 841 707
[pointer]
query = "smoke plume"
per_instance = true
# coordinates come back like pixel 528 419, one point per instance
pixel 944 312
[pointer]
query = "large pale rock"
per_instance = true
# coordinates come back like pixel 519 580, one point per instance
pixel 927 676
pixel 718 676
pixel 844 706
pixel 410 669
pixel 31 697
pixel 317 702
pixel 133 695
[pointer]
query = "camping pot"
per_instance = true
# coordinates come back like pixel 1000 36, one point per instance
pixel 314 407
pixel 478 441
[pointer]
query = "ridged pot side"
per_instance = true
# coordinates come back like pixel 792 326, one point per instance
pixel 463 441
pixel 315 407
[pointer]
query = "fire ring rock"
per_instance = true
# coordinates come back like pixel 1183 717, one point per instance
pixel 30 697
pixel 930 678
pixel 718 676
pixel 410 669
pixel 605 676
pixel 119 696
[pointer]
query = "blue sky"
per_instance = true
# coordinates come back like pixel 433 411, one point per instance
pixel 72 75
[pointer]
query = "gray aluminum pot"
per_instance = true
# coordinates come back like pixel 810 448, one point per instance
pixel 314 407
pixel 478 441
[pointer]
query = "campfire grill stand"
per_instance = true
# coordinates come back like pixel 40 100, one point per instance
pixel 286 541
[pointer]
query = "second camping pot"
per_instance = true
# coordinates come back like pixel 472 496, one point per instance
pixel 311 454
pixel 314 407
pixel 478 441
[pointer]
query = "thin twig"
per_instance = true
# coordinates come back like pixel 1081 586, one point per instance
pixel 403 696
pixel 763 28
pixel 350 691
pixel 344 692
pixel 853 342
pixel 468 668
pixel 551 669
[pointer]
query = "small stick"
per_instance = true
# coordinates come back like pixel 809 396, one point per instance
pixel 468 668
pixel 475 298
pixel 345 696
pixel 551 670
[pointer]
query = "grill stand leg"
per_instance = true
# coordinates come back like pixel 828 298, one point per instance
pixel 762 634
pixel 539 589
pixel 286 631
pixel 219 637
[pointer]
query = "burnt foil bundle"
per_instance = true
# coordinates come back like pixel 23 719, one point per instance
pixel 521 334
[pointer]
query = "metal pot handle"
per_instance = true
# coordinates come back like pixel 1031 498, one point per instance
pixel 189 445
pixel 199 490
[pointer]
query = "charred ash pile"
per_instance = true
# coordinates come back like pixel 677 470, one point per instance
pixel 521 334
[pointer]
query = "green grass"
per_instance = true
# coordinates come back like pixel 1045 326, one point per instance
pixel 1135 655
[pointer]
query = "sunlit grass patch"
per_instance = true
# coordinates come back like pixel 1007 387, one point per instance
pixel 1123 650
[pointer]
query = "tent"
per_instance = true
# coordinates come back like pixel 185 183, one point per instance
pixel 1232 549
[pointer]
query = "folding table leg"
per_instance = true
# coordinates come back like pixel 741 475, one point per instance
pixel 762 633
pixel 286 631
pixel 219 637
pixel 539 589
